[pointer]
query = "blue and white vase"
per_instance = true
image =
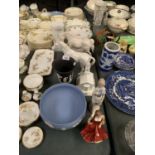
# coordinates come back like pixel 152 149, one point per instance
pixel 109 53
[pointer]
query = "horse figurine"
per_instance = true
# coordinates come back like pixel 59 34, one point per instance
pixel 85 60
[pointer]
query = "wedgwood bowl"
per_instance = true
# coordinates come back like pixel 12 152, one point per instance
pixel 117 25
pixel 63 106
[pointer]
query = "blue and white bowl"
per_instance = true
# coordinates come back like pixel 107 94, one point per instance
pixel 108 56
pixel 63 106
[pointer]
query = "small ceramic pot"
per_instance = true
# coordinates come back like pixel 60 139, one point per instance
pixel 34 9
pixel 110 4
pixel 117 25
pixel 45 15
pixel 26 96
pixel 122 7
pixel 74 12
pixel 109 53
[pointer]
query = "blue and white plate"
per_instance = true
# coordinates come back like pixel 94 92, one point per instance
pixel 63 106
pixel 124 62
pixel 120 90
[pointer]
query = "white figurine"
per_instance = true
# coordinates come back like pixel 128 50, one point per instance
pixel 85 60
pixel 98 97
pixel 80 44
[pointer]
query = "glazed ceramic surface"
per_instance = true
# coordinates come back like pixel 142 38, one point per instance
pixel 124 62
pixel 41 62
pixel 120 90
pixel 117 25
pixel 109 53
pixel 130 134
pixel 28 113
pixel 63 106
pixel 32 137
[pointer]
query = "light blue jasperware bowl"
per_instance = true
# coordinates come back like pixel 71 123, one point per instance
pixel 63 106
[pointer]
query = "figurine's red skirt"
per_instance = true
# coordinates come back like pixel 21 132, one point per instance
pixel 93 134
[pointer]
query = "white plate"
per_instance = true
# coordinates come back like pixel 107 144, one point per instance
pixel 41 62
pixel 28 113
pixel 33 81
pixel 32 137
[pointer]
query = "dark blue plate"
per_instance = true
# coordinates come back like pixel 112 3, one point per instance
pixel 120 90
pixel 63 106
pixel 124 62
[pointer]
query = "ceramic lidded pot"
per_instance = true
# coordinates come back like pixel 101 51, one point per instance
pixel 74 12
pixel 117 25
pixel 119 13
pixel 109 53
pixel 131 27
pixel 23 12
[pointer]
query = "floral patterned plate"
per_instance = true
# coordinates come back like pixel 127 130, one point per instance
pixel 120 90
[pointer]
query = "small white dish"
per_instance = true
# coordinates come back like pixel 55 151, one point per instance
pixel 28 113
pixel 33 82
pixel 32 137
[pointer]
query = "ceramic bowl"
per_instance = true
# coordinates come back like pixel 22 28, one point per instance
pixel 117 25
pixel 131 23
pixel 63 106
pixel 28 113
pixel 118 13
pixel 122 7
pixel 74 12
pixel 39 39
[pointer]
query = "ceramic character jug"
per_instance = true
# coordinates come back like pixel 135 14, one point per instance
pixel 109 53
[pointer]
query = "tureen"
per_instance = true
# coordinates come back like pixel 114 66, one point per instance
pixel 39 38
pixel 28 113
pixel 122 7
pixel 131 27
pixel 118 13
pixel 32 137
pixel 117 25
pixel 33 82
pixel 74 12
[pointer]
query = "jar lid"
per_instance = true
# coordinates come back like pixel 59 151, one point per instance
pixel 33 81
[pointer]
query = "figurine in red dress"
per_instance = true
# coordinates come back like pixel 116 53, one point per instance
pixel 94 132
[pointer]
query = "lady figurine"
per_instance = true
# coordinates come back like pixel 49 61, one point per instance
pixel 94 132
pixel 98 97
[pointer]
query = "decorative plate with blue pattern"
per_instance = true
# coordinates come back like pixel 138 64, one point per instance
pixel 124 62
pixel 120 90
